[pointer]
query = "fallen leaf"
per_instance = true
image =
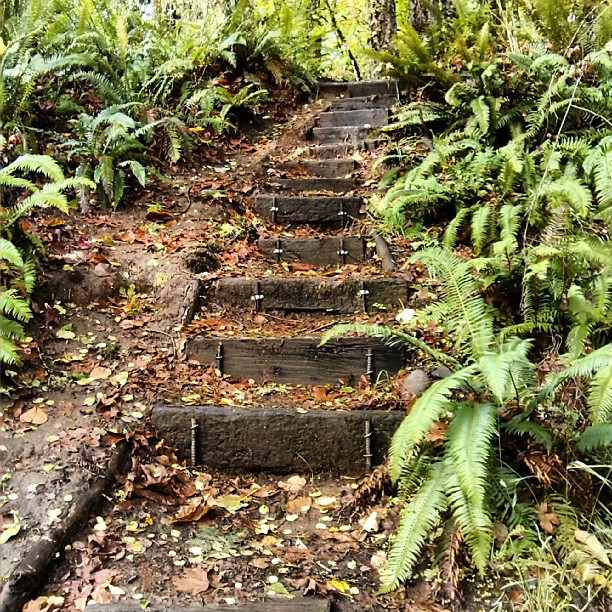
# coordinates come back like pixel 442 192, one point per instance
pixel 299 504
pixel 293 484
pixel 44 604
pixel 64 334
pixel 371 524
pixel 342 586
pixel 195 511
pixel 548 520
pixel 194 581
pixel 9 531
pixel 594 546
pixel 231 503
pixel 100 373
pixel 35 416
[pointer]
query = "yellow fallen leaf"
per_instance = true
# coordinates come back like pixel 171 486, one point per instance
pixel 64 334
pixel 10 531
pixel 35 416
pixel 342 586
pixel 594 546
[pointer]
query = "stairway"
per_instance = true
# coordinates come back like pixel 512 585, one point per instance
pixel 283 440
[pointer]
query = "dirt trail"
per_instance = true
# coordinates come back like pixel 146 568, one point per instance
pixel 125 297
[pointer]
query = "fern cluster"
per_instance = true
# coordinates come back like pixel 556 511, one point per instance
pixel 17 246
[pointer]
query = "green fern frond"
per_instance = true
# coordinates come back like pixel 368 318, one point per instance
pixel 9 252
pixel 13 305
pixel 531 428
pixel 428 408
pixel 595 437
pixel 419 517
pixel 600 395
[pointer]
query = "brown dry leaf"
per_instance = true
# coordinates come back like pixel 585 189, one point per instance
pixel 100 373
pixel 548 520
pixel 35 416
pixel 198 507
pixel 294 484
pixel 194 581
pixel 299 504
pixel 319 394
pixel 44 604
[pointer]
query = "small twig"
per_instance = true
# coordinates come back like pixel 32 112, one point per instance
pixel 321 327
pixel 163 333
pixel 182 212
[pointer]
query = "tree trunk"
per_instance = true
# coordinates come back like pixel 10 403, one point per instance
pixel 383 24
pixel 422 13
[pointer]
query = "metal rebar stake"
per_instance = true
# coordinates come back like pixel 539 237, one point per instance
pixel 370 365
pixel 363 292
pixel 194 443
pixel 274 209
pixel 278 250
pixel 257 297
pixel 368 445
pixel 342 251
pixel 219 358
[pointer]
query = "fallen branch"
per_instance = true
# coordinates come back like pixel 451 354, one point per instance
pixel 29 575
pixel 384 252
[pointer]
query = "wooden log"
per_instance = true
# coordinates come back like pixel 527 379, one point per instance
pixel 357 89
pixel 373 118
pixel 337 185
pixel 331 151
pixel 313 210
pixel 323 251
pixel 331 135
pixel 332 168
pixel 312 294
pixel 297 360
pixel 29 575
pixel 384 252
pixel 287 605
pixel 361 103
pixel 279 440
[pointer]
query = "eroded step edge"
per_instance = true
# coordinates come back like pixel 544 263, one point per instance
pixel 298 360
pixel 278 440
pixel 288 210
pixel 326 251
pixel 311 294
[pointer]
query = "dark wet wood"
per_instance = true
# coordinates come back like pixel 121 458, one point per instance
pixel 330 135
pixel 357 89
pixel 278 440
pixel 312 294
pixel 313 210
pixel 373 118
pixel 306 184
pixel 347 104
pixel 287 605
pixel 316 251
pixel 296 360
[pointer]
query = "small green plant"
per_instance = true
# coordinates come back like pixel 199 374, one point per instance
pixel 19 248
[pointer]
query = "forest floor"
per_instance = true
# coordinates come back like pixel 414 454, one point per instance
pixel 108 347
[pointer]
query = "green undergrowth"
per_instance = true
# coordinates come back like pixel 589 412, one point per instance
pixel 502 168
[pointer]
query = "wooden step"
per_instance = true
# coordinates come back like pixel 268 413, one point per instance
pixel 337 185
pixel 331 151
pixel 331 135
pixel 306 293
pixel 297 360
pixel 362 103
pixel 313 210
pixel 278 440
pixel 357 89
pixel 287 605
pixel 373 118
pixel 332 168
pixel 326 251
